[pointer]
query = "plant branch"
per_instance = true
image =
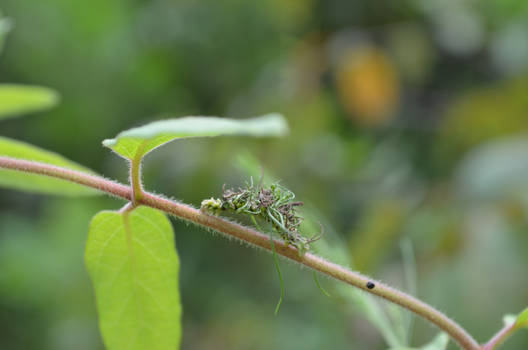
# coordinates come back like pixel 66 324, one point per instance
pixel 99 183
pixel 255 238
pixel 500 337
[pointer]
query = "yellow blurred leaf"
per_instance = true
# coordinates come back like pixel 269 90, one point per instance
pixel 368 85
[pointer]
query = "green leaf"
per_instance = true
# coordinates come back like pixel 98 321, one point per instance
pixel 135 143
pixel 35 182
pixel 19 99
pixel 522 320
pixel 133 265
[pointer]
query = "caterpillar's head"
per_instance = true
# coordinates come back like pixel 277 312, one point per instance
pixel 211 206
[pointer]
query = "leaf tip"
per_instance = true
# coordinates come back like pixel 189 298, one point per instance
pixel 278 124
pixel 109 143
pixel 53 97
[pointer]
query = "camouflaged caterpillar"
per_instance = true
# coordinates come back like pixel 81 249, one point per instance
pixel 274 204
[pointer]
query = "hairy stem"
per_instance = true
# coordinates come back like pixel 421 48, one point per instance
pixel 255 238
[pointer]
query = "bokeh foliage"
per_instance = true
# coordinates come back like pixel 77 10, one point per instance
pixel 404 116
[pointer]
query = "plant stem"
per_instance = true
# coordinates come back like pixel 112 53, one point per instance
pixel 107 186
pixel 500 337
pixel 135 175
pixel 255 238
pixel 135 182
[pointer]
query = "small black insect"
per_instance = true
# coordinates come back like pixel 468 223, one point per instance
pixel 370 285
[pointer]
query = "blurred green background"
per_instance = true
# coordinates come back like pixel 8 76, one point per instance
pixel 409 133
